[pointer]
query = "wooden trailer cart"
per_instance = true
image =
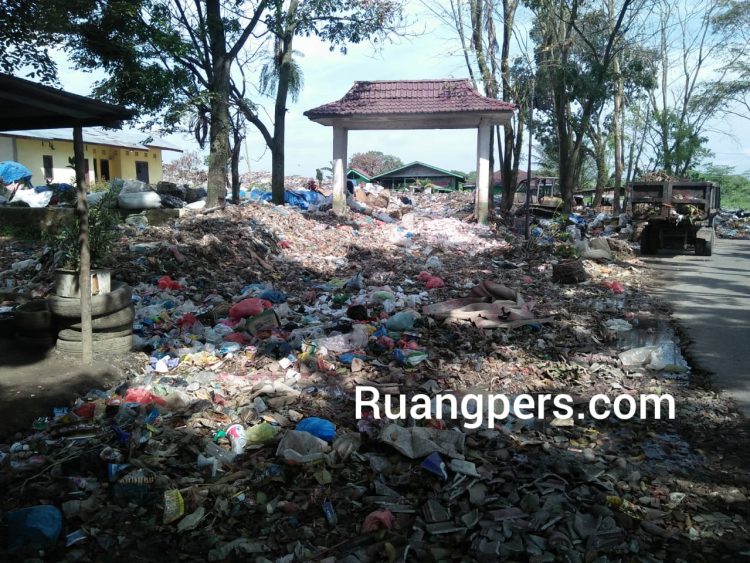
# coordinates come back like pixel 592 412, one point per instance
pixel 676 214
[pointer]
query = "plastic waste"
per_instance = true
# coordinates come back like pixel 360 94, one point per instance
pixel 346 444
pixel 32 198
pixel 658 357
pixel 615 286
pixel 249 308
pixel 138 221
pixel 274 296
pixel 434 263
pixel 261 433
pixel 434 283
pixel 409 357
pixel 330 514
pixel 417 441
pixel 174 506
pixel 142 396
pixel 382 519
pixel 355 282
pixel 345 342
pixel 35 527
pixel 618 325
pixel 573 232
pixel 435 465
pixel 318 427
pixel 237 438
pixel 301 447
pixel 139 200
pixel 221 455
pixel 403 320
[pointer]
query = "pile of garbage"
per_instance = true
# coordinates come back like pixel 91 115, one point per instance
pixel 733 224
pixel 239 438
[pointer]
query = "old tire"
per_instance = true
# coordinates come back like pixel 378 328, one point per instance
pixel 33 316
pixel 109 321
pixel 103 304
pixel 75 335
pixel 118 345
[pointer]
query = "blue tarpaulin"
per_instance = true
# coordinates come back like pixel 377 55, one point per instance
pixel 299 198
pixel 11 172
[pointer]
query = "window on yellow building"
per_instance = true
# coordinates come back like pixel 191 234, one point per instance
pixel 48 168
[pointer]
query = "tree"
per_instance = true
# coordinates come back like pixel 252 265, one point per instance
pixel 702 51
pixel 576 46
pixel 489 63
pixel 373 163
pixel 337 22
pixel 169 59
pixel 28 30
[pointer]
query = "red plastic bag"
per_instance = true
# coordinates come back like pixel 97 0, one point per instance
pixel 249 308
pixel 386 342
pixel 165 282
pixel 424 276
pixel 237 337
pixel 615 286
pixel 378 520
pixel 143 396
pixel 86 410
pixel 187 320
pixel 435 283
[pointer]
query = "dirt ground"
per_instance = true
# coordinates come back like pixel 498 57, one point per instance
pixel 33 382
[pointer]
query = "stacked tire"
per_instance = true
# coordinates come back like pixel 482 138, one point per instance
pixel 34 325
pixel 111 320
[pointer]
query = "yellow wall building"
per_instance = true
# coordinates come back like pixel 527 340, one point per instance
pixel 109 154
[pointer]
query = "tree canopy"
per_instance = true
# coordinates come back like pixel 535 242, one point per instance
pixel 373 163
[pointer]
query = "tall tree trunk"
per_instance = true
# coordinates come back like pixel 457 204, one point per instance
pixel 219 105
pixel 236 149
pixel 279 125
pixel 617 134
pixel 600 158
pixel 513 137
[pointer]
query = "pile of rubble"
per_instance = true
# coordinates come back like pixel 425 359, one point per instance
pixel 239 437
pixel 733 224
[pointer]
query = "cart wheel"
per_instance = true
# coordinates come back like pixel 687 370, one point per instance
pixel 703 247
pixel 647 242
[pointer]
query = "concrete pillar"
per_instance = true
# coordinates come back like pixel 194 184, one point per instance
pixel 483 173
pixel 340 141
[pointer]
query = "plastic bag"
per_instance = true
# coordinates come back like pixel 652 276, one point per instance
pixel 301 447
pixel 249 308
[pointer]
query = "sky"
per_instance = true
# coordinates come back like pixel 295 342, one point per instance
pixel 430 51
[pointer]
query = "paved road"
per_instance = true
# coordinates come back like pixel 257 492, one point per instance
pixel 711 300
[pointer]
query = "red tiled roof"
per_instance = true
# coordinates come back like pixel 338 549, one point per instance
pixel 409 97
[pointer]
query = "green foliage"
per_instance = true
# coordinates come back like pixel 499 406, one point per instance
pixel 686 148
pixel 103 233
pixel 373 163
pixel 735 188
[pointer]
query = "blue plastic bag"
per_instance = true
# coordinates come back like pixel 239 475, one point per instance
pixel 35 527
pixel 318 427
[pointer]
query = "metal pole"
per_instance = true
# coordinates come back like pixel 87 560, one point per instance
pixel 528 168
